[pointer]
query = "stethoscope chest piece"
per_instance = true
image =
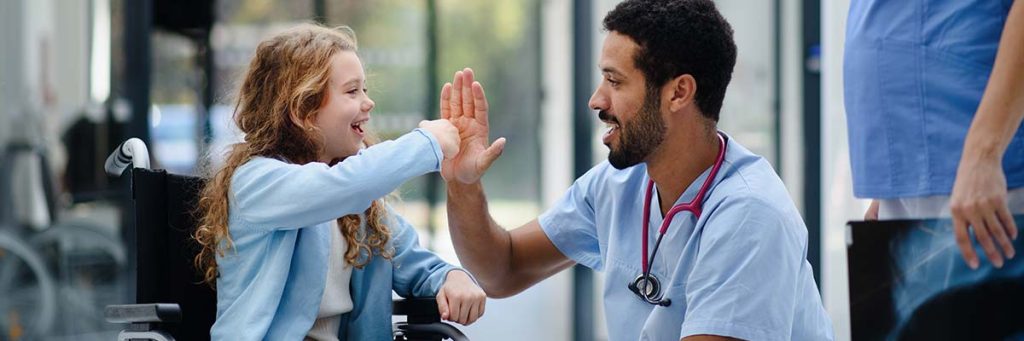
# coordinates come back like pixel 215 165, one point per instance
pixel 647 286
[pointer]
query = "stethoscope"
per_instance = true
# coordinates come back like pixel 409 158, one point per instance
pixel 646 286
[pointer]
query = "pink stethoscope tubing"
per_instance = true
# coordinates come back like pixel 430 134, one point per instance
pixel 694 206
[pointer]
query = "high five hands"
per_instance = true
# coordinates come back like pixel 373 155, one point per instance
pixel 464 105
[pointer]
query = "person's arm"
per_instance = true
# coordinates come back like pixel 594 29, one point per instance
pixel 421 273
pixel 504 262
pixel 872 212
pixel 979 192
pixel 273 194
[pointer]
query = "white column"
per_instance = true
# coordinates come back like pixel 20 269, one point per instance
pixel 839 205
pixel 791 104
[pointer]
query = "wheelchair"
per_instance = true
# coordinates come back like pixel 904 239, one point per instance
pixel 172 302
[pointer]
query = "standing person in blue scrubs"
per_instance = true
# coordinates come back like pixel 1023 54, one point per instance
pixel 934 94
pixel 728 260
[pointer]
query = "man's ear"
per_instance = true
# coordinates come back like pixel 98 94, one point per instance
pixel 681 92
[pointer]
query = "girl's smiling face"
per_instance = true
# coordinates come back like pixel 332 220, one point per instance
pixel 346 108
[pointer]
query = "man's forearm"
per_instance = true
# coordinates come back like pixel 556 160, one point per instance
pixel 1002 106
pixel 483 247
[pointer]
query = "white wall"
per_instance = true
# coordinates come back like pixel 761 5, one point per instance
pixel 839 205
pixel 791 103
pixel 43 70
pixel 10 64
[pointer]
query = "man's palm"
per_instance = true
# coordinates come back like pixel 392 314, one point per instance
pixel 465 105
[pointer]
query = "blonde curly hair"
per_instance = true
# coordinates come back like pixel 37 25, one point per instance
pixel 288 75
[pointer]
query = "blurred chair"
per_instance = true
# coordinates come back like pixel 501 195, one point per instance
pixel 48 259
pixel 29 304
pixel 85 260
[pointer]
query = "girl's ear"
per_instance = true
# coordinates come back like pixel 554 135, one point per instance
pixel 298 121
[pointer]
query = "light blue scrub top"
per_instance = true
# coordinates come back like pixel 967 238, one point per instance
pixel 740 270
pixel 914 72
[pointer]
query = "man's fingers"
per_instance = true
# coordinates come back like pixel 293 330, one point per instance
pixel 999 234
pixel 480 103
pixel 446 97
pixel 963 241
pixel 456 99
pixel 981 232
pixel 467 93
pixel 492 153
pixel 442 305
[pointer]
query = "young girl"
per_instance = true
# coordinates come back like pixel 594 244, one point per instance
pixel 298 205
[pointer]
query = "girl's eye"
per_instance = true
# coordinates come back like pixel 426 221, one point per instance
pixel 366 91
pixel 352 92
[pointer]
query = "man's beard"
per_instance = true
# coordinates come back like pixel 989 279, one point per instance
pixel 641 136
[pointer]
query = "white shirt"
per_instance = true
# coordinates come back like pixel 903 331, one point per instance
pixel 337 299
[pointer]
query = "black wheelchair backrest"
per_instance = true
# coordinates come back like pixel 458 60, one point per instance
pixel 165 219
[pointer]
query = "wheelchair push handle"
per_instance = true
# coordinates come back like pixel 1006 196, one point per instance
pixel 130 153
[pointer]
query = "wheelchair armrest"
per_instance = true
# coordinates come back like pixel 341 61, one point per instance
pixel 437 328
pixel 143 313
pixel 423 321
pixel 422 308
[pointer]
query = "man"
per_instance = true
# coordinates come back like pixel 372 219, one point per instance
pixel 731 264
pixel 931 133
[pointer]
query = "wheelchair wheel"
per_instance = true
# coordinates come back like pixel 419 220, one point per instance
pixel 82 233
pixel 89 264
pixel 29 305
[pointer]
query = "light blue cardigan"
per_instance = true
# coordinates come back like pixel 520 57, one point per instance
pixel 272 281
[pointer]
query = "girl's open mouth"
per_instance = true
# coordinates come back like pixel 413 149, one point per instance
pixel 358 127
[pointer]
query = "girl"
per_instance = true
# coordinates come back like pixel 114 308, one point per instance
pixel 298 205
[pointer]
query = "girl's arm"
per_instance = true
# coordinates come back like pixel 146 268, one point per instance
pixel 417 271
pixel 278 195
pixel 421 273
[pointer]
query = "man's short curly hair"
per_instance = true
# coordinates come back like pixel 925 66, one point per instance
pixel 678 37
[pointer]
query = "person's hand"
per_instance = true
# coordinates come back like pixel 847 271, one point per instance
pixel 872 213
pixel 460 300
pixel 979 202
pixel 446 134
pixel 464 104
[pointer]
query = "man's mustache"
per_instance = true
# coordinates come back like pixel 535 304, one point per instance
pixel 605 116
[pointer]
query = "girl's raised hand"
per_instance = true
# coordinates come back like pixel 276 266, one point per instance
pixel 446 134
